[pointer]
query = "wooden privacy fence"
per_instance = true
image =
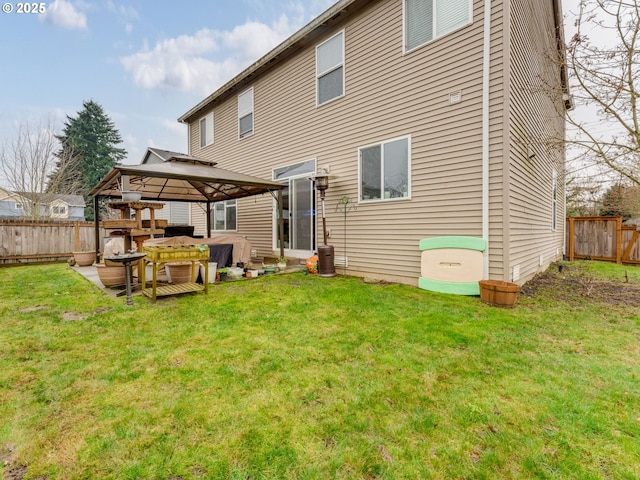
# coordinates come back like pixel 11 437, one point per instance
pixel 23 241
pixel 602 238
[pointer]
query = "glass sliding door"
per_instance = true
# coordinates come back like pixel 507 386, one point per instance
pixel 298 209
pixel 303 214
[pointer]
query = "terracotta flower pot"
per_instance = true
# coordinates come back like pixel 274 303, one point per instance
pixel 180 272
pixel 111 276
pixel 84 259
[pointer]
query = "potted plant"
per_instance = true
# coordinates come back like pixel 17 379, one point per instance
pixel 180 272
pixel 282 263
pixel 84 257
pixel 223 273
pixel 111 275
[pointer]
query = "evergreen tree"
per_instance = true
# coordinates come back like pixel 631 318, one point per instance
pixel 621 201
pixel 92 139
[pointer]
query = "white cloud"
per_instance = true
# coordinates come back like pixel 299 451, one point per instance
pixel 64 14
pixel 202 62
pixel 126 14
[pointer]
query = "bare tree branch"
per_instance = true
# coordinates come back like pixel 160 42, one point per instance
pixel 603 62
pixel 31 168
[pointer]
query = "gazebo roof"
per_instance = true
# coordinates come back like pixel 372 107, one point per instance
pixel 182 178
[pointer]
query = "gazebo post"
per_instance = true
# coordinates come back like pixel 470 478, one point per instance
pixel 281 223
pixel 96 226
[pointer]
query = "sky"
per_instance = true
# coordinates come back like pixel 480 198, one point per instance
pixel 145 61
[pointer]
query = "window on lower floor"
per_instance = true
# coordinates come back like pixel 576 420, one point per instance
pixel 426 20
pixel 224 216
pixel 384 170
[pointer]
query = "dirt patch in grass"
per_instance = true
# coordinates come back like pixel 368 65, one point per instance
pixel 12 469
pixel 35 308
pixel 574 284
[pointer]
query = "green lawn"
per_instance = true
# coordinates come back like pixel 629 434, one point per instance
pixel 299 377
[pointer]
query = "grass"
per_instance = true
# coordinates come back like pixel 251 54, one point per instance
pixel 294 376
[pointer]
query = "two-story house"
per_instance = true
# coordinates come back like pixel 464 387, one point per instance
pixel 41 206
pixel 433 117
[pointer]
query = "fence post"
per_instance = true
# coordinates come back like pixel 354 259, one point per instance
pixel 619 240
pixel 572 238
pixel 77 247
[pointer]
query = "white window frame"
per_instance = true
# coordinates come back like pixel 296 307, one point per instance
pixel 61 210
pixel 19 206
pixel 554 200
pixel 381 145
pixel 207 139
pixel 304 169
pixel 227 204
pixel 247 111
pixel 405 33
pixel 333 68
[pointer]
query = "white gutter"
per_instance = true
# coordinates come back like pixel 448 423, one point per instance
pixel 486 60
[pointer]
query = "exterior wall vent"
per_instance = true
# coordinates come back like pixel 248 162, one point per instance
pixel 341 261
pixel 515 274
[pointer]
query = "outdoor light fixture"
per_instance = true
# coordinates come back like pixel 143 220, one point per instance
pixel 322 182
pixel 326 267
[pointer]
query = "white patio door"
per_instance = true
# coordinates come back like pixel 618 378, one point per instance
pixel 298 209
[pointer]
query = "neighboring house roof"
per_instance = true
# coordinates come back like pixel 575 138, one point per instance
pixel 153 155
pixel 71 200
pixel 183 177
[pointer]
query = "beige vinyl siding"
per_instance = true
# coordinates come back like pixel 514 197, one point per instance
pixel 534 121
pixel 388 94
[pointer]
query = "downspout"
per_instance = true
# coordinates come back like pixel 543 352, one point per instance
pixel 486 60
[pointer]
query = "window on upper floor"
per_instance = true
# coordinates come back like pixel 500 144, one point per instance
pixel 245 113
pixel 426 20
pixel 384 170
pixel 19 206
pixel 330 69
pixel 206 130
pixel 224 216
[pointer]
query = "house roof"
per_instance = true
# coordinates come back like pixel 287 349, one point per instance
pixel 310 33
pixel 71 200
pixel 183 178
pixel 162 155
pixel 299 40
